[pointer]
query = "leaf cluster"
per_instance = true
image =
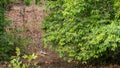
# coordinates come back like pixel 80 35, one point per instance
pixel 83 29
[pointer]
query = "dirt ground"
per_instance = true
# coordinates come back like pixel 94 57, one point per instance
pixel 30 18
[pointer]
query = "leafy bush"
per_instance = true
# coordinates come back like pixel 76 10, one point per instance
pixel 9 37
pixel 37 1
pixel 83 29
pixel 16 61
pixel 28 2
pixel 4 49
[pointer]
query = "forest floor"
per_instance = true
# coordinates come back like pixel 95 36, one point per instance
pixel 30 19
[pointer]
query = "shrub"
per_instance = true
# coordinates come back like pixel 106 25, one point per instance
pixel 83 29
pixel 37 1
pixel 9 37
pixel 16 61
pixel 28 2
pixel 4 49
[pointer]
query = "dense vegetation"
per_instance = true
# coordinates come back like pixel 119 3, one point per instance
pixel 10 37
pixel 83 30
pixel 5 46
pixel 12 44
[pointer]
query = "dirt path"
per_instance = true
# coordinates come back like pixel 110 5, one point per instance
pixel 30 18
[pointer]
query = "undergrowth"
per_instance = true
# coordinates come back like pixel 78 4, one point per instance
pixel 83 30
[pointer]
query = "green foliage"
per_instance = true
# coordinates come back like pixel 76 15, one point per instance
pixel 10 38
pixel 83 29
pixel 3 49
pixel 28 2
pixel 37 1
pixel 16 61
